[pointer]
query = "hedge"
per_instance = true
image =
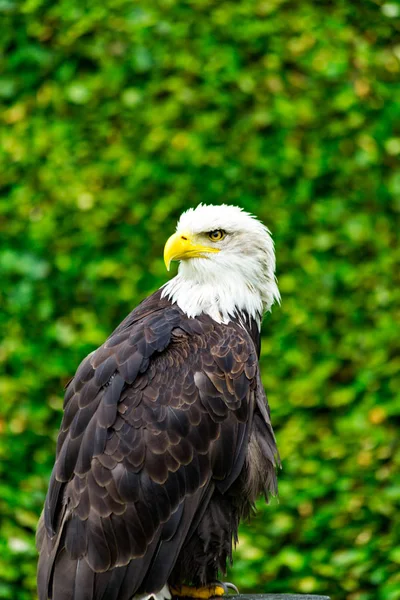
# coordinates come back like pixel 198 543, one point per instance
pixel 117 116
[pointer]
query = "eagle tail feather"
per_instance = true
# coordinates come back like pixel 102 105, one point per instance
pixel 163 594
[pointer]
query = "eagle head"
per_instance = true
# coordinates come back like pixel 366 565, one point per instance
pixel 227 264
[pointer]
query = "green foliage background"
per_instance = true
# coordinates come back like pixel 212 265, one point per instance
pixel 115 117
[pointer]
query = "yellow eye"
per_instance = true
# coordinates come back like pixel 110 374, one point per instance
pixel 216 235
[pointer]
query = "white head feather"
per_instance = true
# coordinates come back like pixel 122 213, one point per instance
pixel 240 278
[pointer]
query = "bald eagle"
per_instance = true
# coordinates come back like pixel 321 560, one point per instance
pixel 166 439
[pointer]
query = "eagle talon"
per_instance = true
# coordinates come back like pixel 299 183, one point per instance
pixel 216 589
pixel 230 586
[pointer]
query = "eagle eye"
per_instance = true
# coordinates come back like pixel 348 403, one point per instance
pixel 216 235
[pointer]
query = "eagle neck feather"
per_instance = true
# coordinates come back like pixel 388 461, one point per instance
pixel 224 300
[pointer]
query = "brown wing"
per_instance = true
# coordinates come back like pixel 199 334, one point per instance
pixel 153 421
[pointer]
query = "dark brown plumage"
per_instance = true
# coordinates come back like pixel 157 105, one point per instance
pixel 164 445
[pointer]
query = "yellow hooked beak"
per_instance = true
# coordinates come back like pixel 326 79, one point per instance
pixel 180 246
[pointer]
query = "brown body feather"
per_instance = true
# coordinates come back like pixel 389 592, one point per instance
pixel 164 445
